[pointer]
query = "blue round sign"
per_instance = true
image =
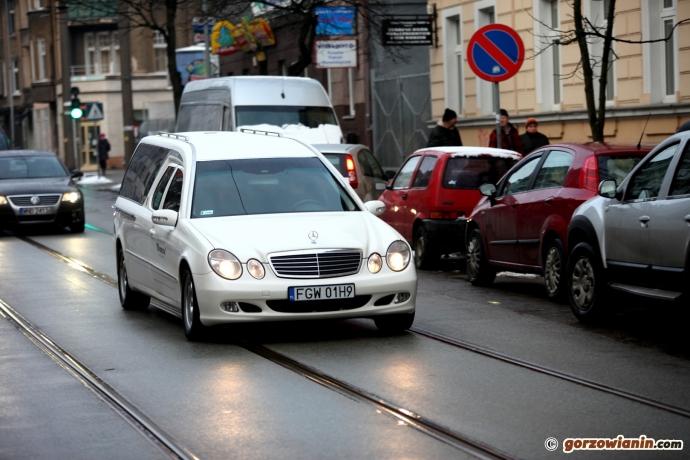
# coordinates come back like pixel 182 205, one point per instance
pixel 495 52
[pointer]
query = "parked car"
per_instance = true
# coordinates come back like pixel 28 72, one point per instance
pixel 359 166
pixel 634 237
pixel 521 224
pixel 234 227
pixel 37 189
pixel 433 192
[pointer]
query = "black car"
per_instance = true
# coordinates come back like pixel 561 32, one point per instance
pixel 37 189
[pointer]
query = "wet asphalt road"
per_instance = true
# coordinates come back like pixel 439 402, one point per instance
pixel 220 400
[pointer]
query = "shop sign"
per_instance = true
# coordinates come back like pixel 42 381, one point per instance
pixel 335 21
pixel 407 32
pixel 335 54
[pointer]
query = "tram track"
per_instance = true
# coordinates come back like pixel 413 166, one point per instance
pixel 404 416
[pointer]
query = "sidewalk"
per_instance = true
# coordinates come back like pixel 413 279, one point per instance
pixel 110 182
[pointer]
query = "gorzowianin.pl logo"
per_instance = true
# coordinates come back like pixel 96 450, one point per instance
pixel 617 443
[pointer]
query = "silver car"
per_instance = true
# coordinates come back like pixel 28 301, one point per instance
pixel 356 162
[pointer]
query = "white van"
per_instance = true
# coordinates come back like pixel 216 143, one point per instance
pixel 296 107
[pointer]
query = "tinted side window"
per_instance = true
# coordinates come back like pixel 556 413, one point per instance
pixel 405 174
pixel 648 179
pixel 160 189
pixel 376 168
pixel 421 180
pixel 364 164
pixel 554 170
pixel 142 170
pixel 174 195
pixel 681 182
pixel 519 180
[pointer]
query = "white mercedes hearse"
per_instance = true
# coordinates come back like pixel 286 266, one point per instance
pixel 224 227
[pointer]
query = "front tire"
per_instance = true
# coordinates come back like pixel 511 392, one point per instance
pixel 554 270
pixel 129 299
pixel 479 272
pixel 424 256
pixel 586 285
pixel 193 329
pixel 394 324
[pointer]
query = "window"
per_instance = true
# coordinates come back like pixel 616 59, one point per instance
pixel 616 167
pixel 11 19
pixel 143 167
pixel 453 60
pixel 90 46
pixel 174 193
pixel 519 180
pixel 34 5
pixel 365 156
pixel 105 56
pixel 160 189
pixel 423 176
pixel 661 74
pixel 598 11
pixel 554 170
pixel 669 67
pixel 470 173
pixel 681 182
pixel 548 63
pixel 102 53
pixel 647 181
pixel 160 52
pixel 402 181
pixel 41 45
pixel 16 83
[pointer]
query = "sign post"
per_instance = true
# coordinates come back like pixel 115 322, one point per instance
pixel 495 53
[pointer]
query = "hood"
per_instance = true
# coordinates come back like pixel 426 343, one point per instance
pixel 259 235
pixel 36 186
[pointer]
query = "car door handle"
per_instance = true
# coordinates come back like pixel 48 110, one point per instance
pixel 687 218
pixel 152 232
pixel 549 200
pixel 514 205
pixel 404 197
pixel 644 219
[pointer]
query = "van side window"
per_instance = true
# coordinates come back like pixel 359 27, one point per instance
pixel 174 195
pixel 142 171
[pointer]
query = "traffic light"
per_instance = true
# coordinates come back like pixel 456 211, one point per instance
pixel 76 112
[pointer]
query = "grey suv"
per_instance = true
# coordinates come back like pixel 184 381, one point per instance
pixel 634 237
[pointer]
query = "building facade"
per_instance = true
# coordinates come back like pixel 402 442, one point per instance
pixel 645 78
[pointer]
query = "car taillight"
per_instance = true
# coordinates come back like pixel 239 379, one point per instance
pixel 445 214
pixel 589 176
pixel 351 171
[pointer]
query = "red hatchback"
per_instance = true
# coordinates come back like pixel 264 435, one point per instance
pixel 434 190
pixel 522 223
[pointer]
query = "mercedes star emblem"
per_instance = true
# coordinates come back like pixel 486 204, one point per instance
pixel 313 236
pixel 35 200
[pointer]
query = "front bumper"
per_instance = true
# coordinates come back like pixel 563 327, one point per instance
pixel 446 236
pixel 212 290
pixel 66 214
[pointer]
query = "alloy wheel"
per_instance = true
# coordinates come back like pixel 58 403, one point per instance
pixel 473 257
pixel 552 271
pixel 122 281
pixel 583 284
pixel 419 249
pixel 188 303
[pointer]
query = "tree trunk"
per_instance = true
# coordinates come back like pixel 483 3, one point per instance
pixel 587 72
pixel 603 78
pixel 306 46
pixel 171 42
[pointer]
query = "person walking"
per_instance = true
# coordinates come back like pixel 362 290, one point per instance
pixel 103 149
pixel 445 134
pixel 510 138
pixel 532 139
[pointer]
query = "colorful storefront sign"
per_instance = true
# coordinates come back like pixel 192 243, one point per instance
pixel 335 21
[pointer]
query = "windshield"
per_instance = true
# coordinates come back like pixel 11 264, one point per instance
pixel 616 167
pixel 470 173
pixel 279 115
pixel 266 186
pixel 31 168
pixel 202 117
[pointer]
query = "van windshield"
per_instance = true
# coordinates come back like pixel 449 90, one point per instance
pixel 280 115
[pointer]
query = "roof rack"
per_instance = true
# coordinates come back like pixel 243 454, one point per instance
pixel 261 133
pixel 174 136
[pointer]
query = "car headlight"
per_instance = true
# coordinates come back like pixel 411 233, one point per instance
pixel 72 197
pixel 375 263
pixel 225 264
pixel 3 200
pixel 398 256
pixel 255 268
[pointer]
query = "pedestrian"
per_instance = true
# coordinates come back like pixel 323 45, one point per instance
pixel 510 139
pixel 532 139
pixel 445 134
pixel 103 149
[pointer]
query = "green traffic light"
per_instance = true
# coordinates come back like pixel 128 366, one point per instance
pixel 76 113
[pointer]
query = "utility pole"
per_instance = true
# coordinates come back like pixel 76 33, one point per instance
pixel 126 80
pixel 10 70
pixel 69 141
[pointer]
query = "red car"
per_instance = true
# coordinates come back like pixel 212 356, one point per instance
pixel 522 223
pixel 434 190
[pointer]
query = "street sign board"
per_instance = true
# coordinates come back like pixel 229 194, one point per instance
pixel 407 32
pixel 93 111
pixel 335 21
pixel 495 52
pixel 335 54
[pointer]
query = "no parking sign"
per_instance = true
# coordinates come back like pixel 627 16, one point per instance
pixel 495 52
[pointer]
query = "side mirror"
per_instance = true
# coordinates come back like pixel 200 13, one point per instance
pixel 390 174
pixel 165 217
pixel 607 188
pixel 375 207
pixel 76 174
pixel 380 186
pixel 488 190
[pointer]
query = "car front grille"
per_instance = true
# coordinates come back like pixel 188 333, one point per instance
pixel 328 263
pixel 318 306
pixel 25 200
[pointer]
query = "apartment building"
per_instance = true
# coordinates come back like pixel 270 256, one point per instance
pixel 646 78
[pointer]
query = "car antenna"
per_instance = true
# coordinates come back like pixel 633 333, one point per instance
pixel 643 130
pixel 282 90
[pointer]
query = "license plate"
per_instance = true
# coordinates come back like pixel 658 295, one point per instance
pixel 333 291
pixel 35 211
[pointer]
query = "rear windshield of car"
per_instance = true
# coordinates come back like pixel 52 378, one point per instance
pixel 470 173
pixel 31 168
pixel 266 186
pixel 616 167
pixel 338 161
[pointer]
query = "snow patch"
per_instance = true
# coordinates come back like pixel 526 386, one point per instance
pixel 324 134
pixel 94 179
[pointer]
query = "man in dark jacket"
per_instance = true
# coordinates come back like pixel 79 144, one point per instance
pixel 532 139
pixel 103 149
pixel 445 134
pixel 510 139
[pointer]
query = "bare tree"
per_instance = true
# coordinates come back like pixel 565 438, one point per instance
pixel 585 33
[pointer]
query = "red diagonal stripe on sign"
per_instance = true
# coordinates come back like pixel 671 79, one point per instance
pixel 496 53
